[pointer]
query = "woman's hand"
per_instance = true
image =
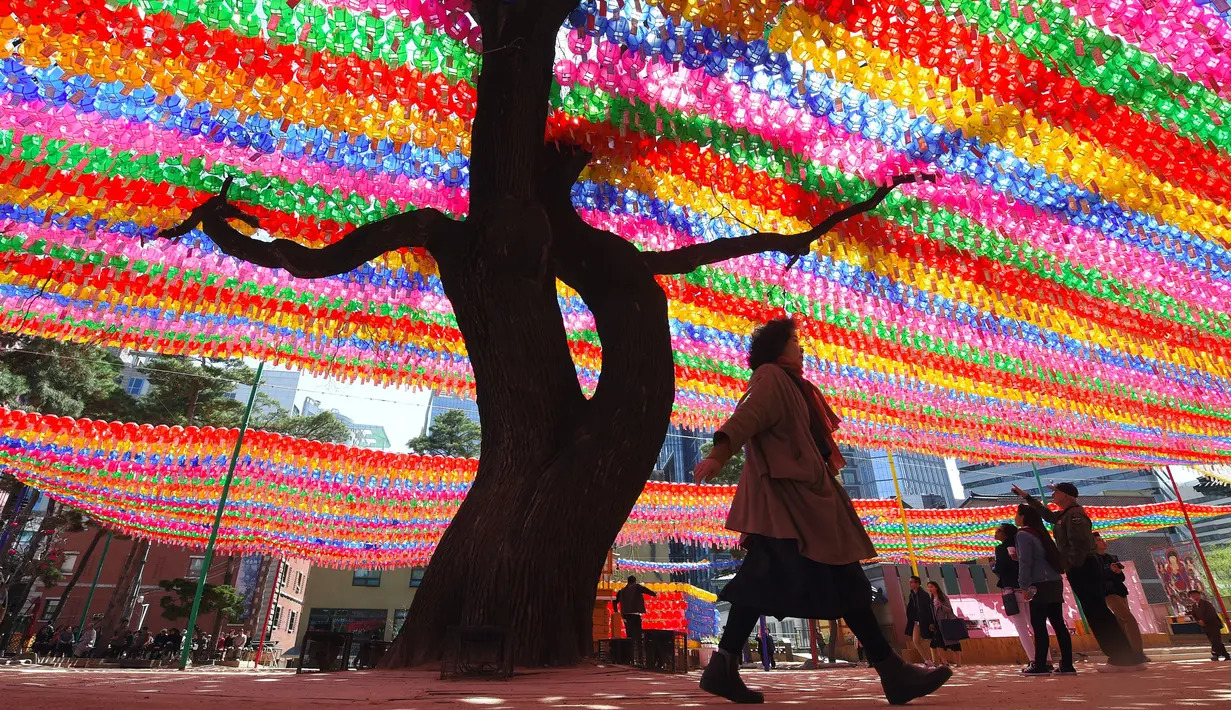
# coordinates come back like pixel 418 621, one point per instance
pixel 706 469
pixel 1028 594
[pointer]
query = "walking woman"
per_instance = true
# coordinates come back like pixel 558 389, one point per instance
pixel 803 538
pixel 942 611
pixel 1038 573
pixel 919 619
pixel 1006 568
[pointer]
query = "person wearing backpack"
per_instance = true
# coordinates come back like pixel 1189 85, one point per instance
pixel 1080 562
pixel 1038 572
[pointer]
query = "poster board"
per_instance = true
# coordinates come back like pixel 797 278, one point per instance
pixel 1179 570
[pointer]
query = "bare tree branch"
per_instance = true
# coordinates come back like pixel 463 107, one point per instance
pixel 689 258
pixel 419 228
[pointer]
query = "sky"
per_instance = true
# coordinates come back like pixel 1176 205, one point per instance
pixel 400 410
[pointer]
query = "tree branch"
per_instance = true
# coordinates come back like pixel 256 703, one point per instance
pixel 419 228
pixel 689 258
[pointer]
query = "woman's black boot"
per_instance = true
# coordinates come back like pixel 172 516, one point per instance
pixel 903 682
pixel 721 678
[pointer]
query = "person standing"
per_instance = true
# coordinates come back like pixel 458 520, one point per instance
pixel 803 537
pixel 1006 570
pixel 629 603
pixel 1211 623
pixel 919 619
pixel 942 610
pixel 85 644
pixel 1117 594
pixel 1039 563
pixel 64 642
pixel 1079 559
pixel 770 647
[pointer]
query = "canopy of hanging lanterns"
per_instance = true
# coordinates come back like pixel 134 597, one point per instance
pixel 1060 292
pixel 350 507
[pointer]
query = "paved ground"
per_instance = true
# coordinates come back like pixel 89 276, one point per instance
pixel 1179 684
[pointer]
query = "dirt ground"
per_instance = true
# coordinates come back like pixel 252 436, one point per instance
pixel 1164 685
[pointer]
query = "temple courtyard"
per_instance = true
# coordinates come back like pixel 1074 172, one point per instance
pixel 1188 683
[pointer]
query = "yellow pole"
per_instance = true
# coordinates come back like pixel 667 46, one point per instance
pixel 897 488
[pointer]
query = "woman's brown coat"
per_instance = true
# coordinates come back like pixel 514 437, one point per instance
pixel 786 489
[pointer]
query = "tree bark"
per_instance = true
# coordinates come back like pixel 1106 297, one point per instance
pixel 226 579
pixel 112 617
pixel 72 582
pixel 558 473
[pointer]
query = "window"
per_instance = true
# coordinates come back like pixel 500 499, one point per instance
pixel 275 617
pixel 298 582
pixel 195 565
pixel 416 576
pixel 49 608
pixel 70 561
pixel 135 386
pixel 366 578
pixel 291 618
pixel 365 624
pixel 283 570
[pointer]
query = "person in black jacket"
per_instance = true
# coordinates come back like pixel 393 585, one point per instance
pixel 1117 593
pixel 1207 616
pixel 919 619
pixel 1005 569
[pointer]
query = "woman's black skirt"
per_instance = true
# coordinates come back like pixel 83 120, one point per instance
pixel 778 581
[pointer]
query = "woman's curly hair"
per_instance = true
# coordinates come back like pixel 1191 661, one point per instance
pixel 768 342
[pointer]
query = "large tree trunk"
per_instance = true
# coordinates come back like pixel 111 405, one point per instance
pixel 558 472
pixel 115 616
pixel 82 562
pixel 227 576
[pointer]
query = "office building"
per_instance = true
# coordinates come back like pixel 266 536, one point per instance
pixel 105 570
pixel 923 478
pixel 368 436
pixel 441 403
pixel 280 386
pixel 1213 532
pixel 993 479
pixel 679 455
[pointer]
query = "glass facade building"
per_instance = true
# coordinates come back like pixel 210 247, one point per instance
pixel 992 479
pixel 679 455
pixel 924 478
pixel 441 403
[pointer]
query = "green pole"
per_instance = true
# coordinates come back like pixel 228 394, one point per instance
pixel 93 585
pixel 213 533
pixel 1038 481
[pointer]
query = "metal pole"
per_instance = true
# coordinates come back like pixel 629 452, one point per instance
pixel 765 659
pixel 273 590
pixel 222 504
pixel 1196 542
pixel 93 585
pixel 1038 481
pixel 897 489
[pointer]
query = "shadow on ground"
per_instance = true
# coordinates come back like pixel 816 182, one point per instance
pixel 1174 684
